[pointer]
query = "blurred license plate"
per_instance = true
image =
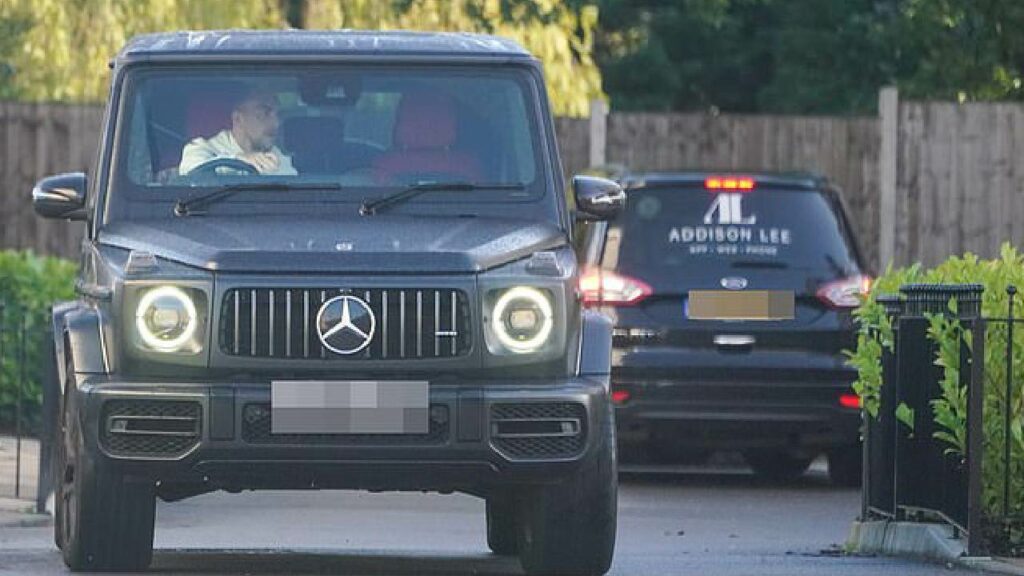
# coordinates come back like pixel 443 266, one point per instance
pixel 746 305
pixel 349 407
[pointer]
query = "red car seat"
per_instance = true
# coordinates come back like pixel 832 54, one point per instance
pixel 424 134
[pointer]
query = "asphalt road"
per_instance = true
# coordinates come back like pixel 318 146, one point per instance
pixel 717 521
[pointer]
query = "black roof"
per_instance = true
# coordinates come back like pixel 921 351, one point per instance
pixel 322 43
pixel 803 180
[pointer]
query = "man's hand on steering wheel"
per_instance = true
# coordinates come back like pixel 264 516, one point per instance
pixel 210 167
pixel 263 161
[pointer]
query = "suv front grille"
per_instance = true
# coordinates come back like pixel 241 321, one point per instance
pixel 281 323
pixel 539 430
pixel 256 429
pixel 150 428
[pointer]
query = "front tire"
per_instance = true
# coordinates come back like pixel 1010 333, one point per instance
pixel 502 525
pixel 103 522
pixel 569 528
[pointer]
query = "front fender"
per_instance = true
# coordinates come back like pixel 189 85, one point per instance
pixel 78 340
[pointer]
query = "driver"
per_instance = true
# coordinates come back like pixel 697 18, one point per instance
pixel 254 126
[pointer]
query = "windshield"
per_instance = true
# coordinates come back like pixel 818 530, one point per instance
pixel 687 234
pixel 360 132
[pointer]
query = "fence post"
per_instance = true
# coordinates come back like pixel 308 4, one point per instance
pixel 888 159
pixel 880 437
pixel 598 133
pixel 1011 291
pixel 22 360
pixel 973 376
pixel 48 422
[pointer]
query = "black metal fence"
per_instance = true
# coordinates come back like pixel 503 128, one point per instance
pixel 25 341
pixel 910 474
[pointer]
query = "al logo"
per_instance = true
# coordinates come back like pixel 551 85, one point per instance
pixel 729 208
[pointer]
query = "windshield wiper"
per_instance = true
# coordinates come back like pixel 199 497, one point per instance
pixel 185 207
pixel 372 206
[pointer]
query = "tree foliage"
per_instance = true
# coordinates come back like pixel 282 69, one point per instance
pixel 560 35
pixel 58 49
pixel 807 56
pixel 63 53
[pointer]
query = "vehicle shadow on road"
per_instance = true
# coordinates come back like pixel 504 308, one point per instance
pixel 328 562
pixel 728 475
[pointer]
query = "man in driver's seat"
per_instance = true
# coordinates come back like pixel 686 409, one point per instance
pixel 254 125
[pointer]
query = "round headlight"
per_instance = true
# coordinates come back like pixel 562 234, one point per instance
pixel 522 319
pixel 166 318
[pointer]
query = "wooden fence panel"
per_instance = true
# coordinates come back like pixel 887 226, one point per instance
pixel 959 180
pixel 37 140
pixel 573 144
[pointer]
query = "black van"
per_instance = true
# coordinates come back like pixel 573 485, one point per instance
pixel 732 298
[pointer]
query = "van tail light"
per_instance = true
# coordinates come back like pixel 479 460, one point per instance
pixel 845 293
pixel 603 288
pixel 849 401
pixel 620 396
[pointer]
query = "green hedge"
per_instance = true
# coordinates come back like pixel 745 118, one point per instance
pixel 950 411
pixel 29 285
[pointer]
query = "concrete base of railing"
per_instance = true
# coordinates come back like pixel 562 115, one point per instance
pixel 924 541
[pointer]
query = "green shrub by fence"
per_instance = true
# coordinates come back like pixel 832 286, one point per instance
pixel 29 285
pixel 950 411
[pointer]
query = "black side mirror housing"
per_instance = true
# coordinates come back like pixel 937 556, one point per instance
pixel 61 196
pixel 597 198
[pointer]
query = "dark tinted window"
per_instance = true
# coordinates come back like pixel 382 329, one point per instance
pixel 692 233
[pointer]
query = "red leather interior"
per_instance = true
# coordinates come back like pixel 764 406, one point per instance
pixel 425 133
pixel 207 114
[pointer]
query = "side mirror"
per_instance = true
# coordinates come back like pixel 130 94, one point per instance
pixel 597 198
pixel 61 196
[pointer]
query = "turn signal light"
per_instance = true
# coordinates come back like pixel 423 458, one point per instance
pixel 601 287
pixel 845 293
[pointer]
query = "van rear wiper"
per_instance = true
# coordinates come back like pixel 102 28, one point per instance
pixel 372 206
pixel 185 207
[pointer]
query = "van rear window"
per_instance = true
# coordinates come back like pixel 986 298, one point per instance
pixel 704 233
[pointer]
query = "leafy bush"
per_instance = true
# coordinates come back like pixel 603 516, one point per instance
pixel 950 410
pixel 29 285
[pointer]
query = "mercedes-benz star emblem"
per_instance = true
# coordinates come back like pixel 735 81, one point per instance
pixel 345 324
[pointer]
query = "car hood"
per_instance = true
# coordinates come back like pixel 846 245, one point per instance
pixel 374 244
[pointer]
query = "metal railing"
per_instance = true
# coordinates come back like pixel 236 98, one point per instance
pixel 25 341
pixel 909 473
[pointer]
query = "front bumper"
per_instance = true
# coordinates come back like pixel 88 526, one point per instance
pixel 232 448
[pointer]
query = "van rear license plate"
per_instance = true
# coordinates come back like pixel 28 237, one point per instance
pixel 746 305
pixel 349 407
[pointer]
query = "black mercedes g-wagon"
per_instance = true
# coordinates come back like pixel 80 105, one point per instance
pixel 731 295
pixel 331 260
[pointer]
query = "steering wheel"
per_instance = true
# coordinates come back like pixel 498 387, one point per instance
pixel 210 167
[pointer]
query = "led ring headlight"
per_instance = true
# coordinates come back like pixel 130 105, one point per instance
pixel 524 301
pixel 166 318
